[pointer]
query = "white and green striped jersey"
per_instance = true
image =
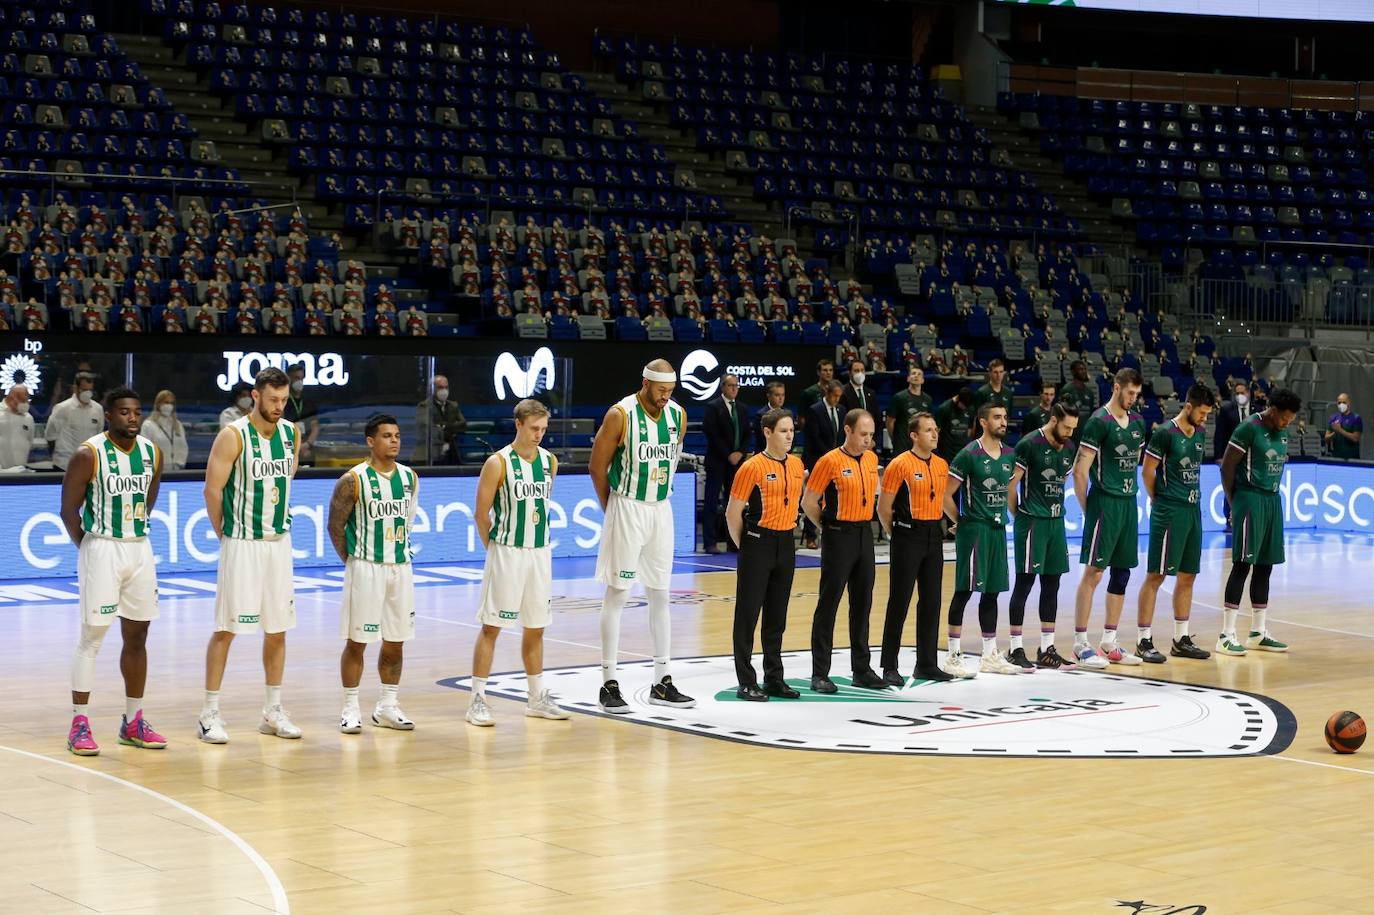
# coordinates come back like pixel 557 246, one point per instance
pixel 520 514
pixel 116 504
pixel 378 530
pixel 257 496
pixel 645 461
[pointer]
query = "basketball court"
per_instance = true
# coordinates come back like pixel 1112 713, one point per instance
pixel 1184 787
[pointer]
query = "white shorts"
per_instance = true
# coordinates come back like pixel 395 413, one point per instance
pixel 116 578
pixel 378 601
pixel 636 544
pixel 517 584
pixel 256 589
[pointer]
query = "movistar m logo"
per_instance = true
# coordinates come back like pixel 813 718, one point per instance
pixel 509 378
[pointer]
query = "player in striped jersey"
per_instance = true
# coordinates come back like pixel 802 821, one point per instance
pixel 107 499
pixel 248 499
pixel 633 460
pixel 370 515
pixel 513 499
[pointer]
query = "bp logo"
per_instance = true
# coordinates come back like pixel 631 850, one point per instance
pixel 1045 714
pixel 20 368
pixel 700 374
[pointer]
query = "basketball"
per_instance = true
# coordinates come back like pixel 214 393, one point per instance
pixel 1345 732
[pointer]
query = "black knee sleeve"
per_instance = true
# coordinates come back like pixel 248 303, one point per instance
pixel 1235 583
pixel 1117 579
pixel 1049 598
pixel 957 603
pixel 1259 587
pixel 1020 593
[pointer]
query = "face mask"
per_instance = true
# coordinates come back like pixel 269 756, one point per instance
pixel 859 379
pixel 245 403
pixel 297 387
pixel 1242 399
pixel 1343 407
pixel 441 394
pixel 166 409
pixel 85 396
pixel 22 409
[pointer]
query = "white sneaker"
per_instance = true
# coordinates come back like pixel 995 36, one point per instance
pixel 1115 654
pixel 543 706
pixel 351 720
pixel 391 716
pixel 478 712
pixel 1088 659
pixel 210 728
pixel 994 662
pixel 276 722
pixel 957 667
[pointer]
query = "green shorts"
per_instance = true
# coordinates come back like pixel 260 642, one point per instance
pixel 1110 532
pixel 1175 538
pixel 980 557
pixel 1257 527
pixel 1041 546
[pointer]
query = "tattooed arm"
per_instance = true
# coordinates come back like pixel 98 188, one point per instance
pixel 340 507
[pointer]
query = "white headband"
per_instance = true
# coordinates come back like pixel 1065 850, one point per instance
pixel 651 375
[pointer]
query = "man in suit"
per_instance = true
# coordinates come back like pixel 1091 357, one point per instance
pixel 856 395
pixel 725 426
pixel 776 394
pixel 438 423
pixel 1232 413
pixel 823 434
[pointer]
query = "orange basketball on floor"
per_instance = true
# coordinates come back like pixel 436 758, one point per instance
pixel 1345 732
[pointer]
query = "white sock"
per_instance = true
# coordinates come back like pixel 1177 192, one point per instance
pixel 611 605
pixel 536 684
pixel 1108 636
pixel 1145 633
pixel 1228 622
pixel 1017 642
pixel 211 700
pixel 1046 641
pixel 273 696
pixel 132 707
pixel 954 649
pixel 80 709
pixel 660 630
pixel 479 686
pixel 1080 638
pixel 989 646
pixel 1257 625
pixel 389 691
pixel 1180 629
pixel 351 697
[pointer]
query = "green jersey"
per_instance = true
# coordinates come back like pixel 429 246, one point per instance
pixel 1083 396
pixel 257 495
pixel 985 478
pixel 903 409
pixel 644 462
pixel 116 503
pixel 1044 468
pixel 1037 418
pixel 1263 455
pixel 954 422
pixel 378 529
pixel 809 397
pixel 986 394
pixel 1117 449
pixel 1180 459
pixel 520 514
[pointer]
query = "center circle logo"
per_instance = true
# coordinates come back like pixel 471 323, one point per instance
pixel 700 374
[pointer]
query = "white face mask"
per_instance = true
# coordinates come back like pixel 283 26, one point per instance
pixel 166 409
pixel 441 394
pixel 297 387
pixel 85 396
pixel 1343 407
pixel 245 403
pixel 22 409
pixel 1242 399
pixel 858 378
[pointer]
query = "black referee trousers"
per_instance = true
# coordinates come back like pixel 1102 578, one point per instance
pixel 917 560
pixel 846 561
pixel 763 581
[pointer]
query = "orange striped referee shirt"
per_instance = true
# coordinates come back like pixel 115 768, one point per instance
pixel 773 490
pixel 848 485
pixel 923 482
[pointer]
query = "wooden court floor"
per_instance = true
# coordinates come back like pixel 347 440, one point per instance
pixel 597 815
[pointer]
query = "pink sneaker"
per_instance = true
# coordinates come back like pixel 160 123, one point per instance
pixel 138 733
pixel 79 739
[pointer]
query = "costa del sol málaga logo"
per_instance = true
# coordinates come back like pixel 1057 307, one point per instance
pixel 20 368
pixel 700 375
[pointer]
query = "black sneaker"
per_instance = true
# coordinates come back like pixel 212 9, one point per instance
pixel 751 693
pixel 1149 653
pixel 893 678
pixel 1018 657
pixel 665 693
pixel 935 675
pixel 778 689
pixel 1184 648
pixel 610 699
pixel 823 685
pixel 1051 659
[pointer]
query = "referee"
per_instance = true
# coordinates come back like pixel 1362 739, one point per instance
pixel 841 495
pixel 910 509
pixel 761 517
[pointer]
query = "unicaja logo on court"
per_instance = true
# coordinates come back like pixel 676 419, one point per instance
pixel 509 379
pixel 700 375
